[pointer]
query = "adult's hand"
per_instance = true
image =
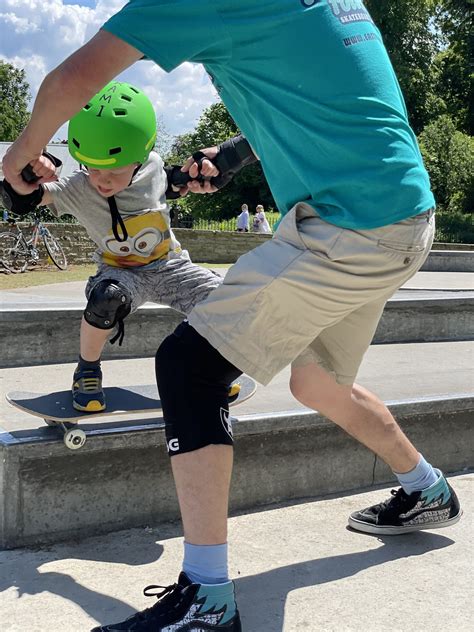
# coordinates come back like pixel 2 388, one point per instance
pixel 42 168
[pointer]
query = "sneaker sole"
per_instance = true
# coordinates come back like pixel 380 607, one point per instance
pixel 92 407
pixel 365 527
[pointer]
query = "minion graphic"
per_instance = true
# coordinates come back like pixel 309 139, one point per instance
pixel 149 239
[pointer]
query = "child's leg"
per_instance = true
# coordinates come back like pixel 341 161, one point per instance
pixel 110 294
pixel 92 341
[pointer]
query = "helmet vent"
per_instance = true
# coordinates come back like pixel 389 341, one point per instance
pixel 134 89
pixel 114 150
pixel 87 107
pixel 120 112
pixel 76 142
pixel 125 97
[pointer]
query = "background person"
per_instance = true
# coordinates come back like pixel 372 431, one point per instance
pixel 243 219
pixel 260 221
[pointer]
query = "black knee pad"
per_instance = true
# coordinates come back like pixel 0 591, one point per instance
pixel 109 303
pixel 193 380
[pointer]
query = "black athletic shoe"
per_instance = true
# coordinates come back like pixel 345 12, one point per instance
pixel 185 607
pixel 433 508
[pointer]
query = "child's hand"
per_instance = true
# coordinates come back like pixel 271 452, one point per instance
pixel 204 168
pixel 44 169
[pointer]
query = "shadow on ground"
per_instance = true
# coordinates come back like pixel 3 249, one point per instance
pixel 23 570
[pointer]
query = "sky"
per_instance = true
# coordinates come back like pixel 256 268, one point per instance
pixel 37 35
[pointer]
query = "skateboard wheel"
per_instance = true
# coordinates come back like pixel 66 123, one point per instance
pixel 74 439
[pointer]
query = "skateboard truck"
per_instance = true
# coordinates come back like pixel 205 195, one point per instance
pixel 74 438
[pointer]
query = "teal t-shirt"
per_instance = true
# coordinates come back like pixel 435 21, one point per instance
pixel 310 84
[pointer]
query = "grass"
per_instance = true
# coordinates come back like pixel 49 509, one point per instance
pixel 50 274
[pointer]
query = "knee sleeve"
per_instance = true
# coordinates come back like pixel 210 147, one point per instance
pixel 193 380
pixel 109 303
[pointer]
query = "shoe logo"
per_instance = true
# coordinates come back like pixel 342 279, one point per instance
pixel 227 422
pixel 173 445
pixel 193 618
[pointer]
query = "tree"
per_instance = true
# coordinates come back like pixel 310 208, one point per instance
pixel 452 68
pixel 449 158
pixel 14 97
pixel 249 185
pixel 412 43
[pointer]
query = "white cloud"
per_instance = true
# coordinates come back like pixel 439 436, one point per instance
pixel 37 36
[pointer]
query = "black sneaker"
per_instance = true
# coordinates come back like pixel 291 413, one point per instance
pixel 185 607
pixel 433 508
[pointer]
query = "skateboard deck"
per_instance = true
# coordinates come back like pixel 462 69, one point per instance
pixel 56 409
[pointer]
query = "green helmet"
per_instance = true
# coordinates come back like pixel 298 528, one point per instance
pixel 116 128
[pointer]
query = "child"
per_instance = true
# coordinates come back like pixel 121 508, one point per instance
pixel 120 200
pixel 260 222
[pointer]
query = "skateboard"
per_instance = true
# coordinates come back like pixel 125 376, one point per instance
pixel 56 409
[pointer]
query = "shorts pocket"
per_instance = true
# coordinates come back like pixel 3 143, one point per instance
pixel 401 247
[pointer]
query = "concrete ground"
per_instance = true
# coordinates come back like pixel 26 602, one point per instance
pixel 394 372
pixel 297 568
pixel 71 294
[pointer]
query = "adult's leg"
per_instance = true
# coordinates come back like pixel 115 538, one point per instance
pixel 357 411
pixel 202 480
pixel 193 379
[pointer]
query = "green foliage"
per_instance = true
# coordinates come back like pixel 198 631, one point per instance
pixel 455 228
pixel 412 43
pixel 249 185
pixel 452 69
pixel 449 158
pixel 14 97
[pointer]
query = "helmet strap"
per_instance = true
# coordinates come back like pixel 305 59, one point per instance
pixel 117 220
pixel 137 169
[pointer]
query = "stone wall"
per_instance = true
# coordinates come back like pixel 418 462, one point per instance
pixel 204 246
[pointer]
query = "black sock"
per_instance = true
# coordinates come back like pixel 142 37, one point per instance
pixel 86 364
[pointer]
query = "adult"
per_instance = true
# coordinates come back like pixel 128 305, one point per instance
pixel 243 219
pixel 310 84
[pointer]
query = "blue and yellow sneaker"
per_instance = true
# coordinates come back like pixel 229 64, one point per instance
pixel 185 607
pixel 433 508
pixel 87 393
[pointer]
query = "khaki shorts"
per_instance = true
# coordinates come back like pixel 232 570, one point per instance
pixel 314 293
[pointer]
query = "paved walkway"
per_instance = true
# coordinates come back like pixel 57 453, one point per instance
pixel 394 372
pixel 297 568
pixel 62 295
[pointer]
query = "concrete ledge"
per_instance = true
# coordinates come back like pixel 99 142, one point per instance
pixel 449 261
pixel 47 336
pixel 120 479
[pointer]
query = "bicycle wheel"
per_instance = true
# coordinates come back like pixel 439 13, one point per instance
pixel 55 251
pixel 13 255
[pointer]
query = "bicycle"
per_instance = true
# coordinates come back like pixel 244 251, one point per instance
pixel 16 251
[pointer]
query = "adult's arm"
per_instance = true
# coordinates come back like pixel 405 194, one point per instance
pixel 63 93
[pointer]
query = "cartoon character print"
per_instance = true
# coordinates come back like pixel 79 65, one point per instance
pixel 149 239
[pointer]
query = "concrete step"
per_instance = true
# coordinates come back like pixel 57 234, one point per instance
pixel 51 335
pixel 449 261
pixel 296 568
pixel 121 478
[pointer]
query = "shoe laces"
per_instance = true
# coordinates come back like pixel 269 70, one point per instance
pixel 398 498
pixel 163 595
pixel 90 384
